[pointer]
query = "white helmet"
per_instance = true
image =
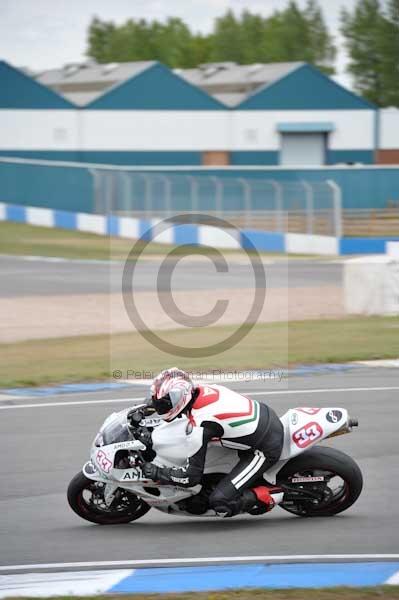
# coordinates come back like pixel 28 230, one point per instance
pixel 171 391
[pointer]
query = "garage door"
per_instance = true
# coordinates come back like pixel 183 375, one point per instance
pixel 303 149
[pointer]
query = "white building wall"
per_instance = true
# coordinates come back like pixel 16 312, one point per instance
pixel 257 129
pixel 38 130
pixel 389 128
pixel 123 130
pixel 155 130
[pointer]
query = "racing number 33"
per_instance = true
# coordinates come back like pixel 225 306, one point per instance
pixel 307 435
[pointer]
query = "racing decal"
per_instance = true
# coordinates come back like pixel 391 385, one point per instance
pixel 250 415
pixel 124 445
pixel 206 396
pixel 309 410
pixel 334 416
pixel 90 469
pixel 306 479
pixel 132 475
pixel 307 435
pixel 103 462
pixel 294 418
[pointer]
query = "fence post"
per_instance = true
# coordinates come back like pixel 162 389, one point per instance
pixel 168 194
pixel 96 191
pixel 279 204
pixel 147 194
pixel 193 193
pixel 309 206
pixel 247 199
pixel 337 202
pixel 109 192
pixel 218 195
pixel 127 196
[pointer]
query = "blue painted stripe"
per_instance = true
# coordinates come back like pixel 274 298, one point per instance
pixel 145 229
pixel 277 576
pixel 328 368
pixel 185 234
pixel 363 245
pixel 189 234
pixel 262 241
pixel 67 388
pixel 15 212
pixel 112 225
pixel 65 219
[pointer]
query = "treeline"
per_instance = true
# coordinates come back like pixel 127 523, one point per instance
pixel 288 35
pixel 371 33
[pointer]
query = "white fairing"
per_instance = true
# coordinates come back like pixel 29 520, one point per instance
pixel 306 426
pixel 176 441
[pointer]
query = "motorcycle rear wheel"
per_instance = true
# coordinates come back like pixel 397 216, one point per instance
pixel 333 465
pixel 86 500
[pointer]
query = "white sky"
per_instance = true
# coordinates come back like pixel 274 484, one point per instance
pixel 43 34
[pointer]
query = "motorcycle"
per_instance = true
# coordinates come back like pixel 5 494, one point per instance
pixel 309 480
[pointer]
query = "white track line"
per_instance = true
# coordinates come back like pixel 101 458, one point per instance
pixel 192 561
pixel 249 393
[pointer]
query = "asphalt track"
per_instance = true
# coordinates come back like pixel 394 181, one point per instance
pixel 42 447
pixel 40 277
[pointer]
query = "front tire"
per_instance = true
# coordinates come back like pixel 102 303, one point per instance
pixel 86 499
pixel 333 465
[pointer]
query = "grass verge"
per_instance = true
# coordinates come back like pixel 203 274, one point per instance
pixel 32 240
pixel 386 592
pixel 273 345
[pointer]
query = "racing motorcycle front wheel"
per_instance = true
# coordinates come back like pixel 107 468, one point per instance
pixel 321 482
pixel 86 498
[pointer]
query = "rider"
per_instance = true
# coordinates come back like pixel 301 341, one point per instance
pixel 238 422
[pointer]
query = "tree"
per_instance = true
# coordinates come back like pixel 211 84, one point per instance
pixel 100 34
pixel 226 39
pixel 390 49
pixel 288 35
pixel 372 39
pixel 320 39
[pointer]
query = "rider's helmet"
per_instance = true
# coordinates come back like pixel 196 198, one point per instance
pixel 171 391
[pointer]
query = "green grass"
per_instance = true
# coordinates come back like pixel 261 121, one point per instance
pixel 31 240
pixel 273 345
pixel 384 592
pixel 22 239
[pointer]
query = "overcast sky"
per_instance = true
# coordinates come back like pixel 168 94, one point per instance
pixel 43 34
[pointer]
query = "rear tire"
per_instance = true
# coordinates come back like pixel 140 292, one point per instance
pixel 331 461
pixel 130 508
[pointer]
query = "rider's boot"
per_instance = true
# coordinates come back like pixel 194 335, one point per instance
pixel 262 500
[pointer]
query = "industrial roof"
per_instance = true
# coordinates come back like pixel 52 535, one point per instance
pixel 215 75
pixel 92 72
pixel 228 82
pixel 286 85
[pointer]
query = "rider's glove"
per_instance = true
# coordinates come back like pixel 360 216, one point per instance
pixel 144 436
pixel 150 471
pixel 134 417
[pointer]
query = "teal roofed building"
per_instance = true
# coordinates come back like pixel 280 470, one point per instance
pixel 19 91
pixel 303 88
pixel 143 113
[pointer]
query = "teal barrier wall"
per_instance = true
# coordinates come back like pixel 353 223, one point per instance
pixel 51 187
pixel 71 188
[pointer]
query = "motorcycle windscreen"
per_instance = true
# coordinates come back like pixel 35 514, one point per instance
pixel 116 431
